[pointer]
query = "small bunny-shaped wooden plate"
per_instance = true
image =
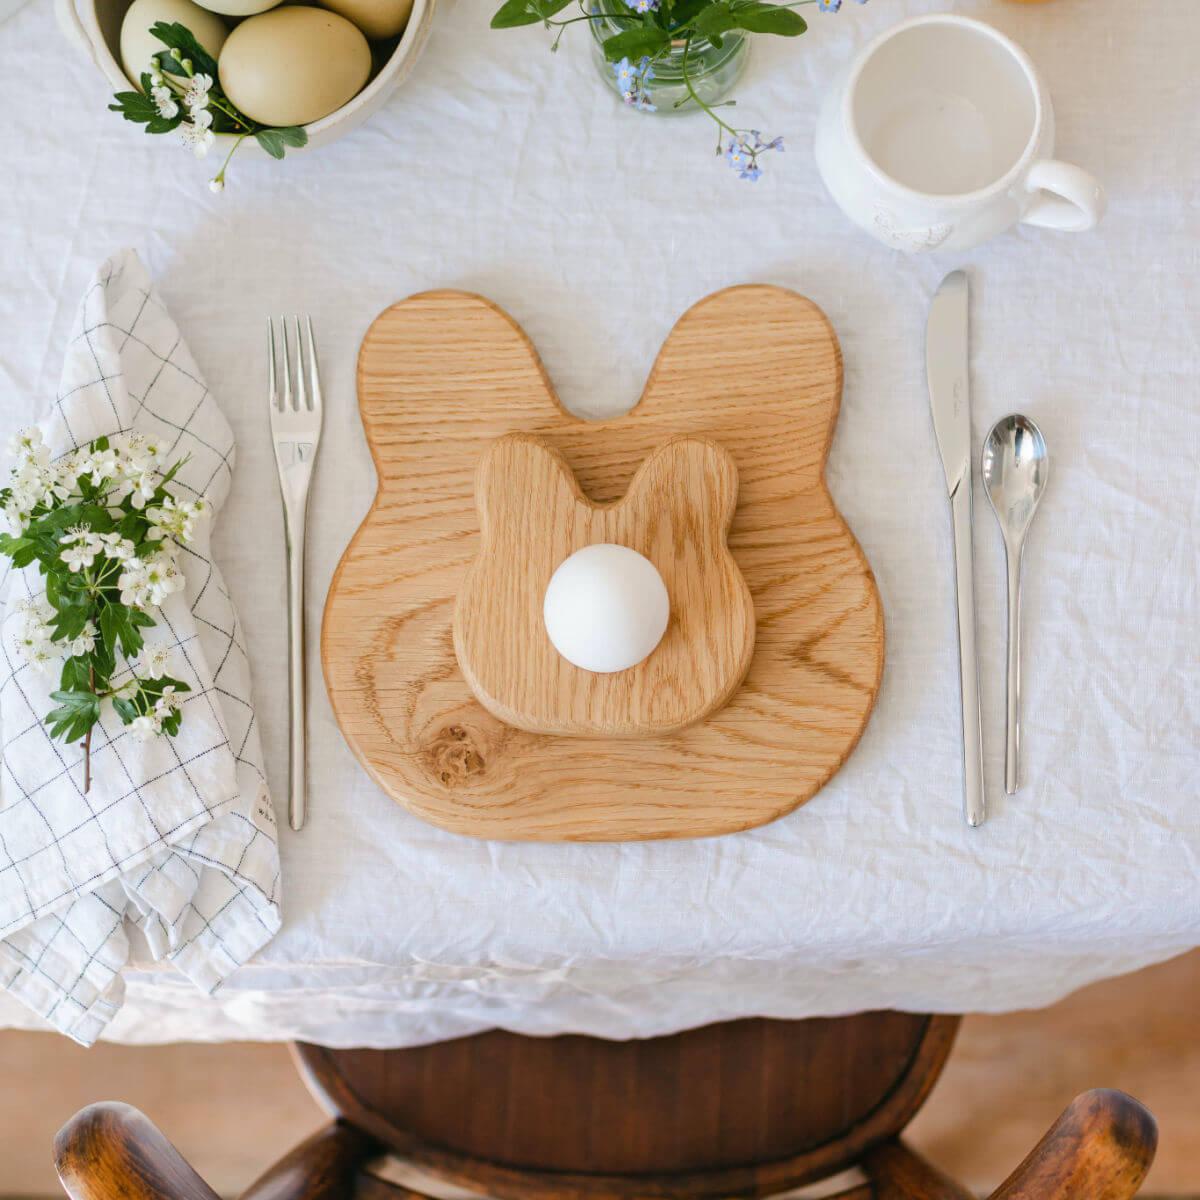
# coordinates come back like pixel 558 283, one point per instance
pixel 676 514
pixel 753 372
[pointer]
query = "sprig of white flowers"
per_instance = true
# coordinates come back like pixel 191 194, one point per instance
pixel 182 92
pixel 104 529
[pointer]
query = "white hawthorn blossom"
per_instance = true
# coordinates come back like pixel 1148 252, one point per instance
pixel 145 727
pixel 117 547
pixel 149 581
pixel 85 643
pixel 166 704
pixel 34 639
pixel 196 138
pixel 164 101
pixel 195 95
pixel 80 547
pixel 175 518
pixel 101 465
pixel 26 446
pixel 153 661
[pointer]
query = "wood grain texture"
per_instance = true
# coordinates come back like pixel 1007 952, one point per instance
pixel 441 376
pixel 741 1108
pixel 746 1108
pixel 110 1151
pixel 898 1173
pixel 532 516
pixel 323 1167
pixel 1100 1148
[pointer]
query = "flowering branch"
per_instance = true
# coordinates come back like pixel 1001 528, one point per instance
pixel 104 529
pixel 181 93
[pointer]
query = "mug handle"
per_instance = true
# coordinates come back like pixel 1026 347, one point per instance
pixel 1076 202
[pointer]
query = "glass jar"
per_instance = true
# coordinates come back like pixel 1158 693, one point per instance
pixel 712 70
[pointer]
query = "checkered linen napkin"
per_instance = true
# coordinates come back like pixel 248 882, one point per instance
pixel 176 835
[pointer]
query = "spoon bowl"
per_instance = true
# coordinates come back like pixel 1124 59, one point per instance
pixel 1014 469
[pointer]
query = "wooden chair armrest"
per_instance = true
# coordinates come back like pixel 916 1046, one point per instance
pixel 111 1151
pixel 898 1173
pixel 1100 1148
pixel 322 1168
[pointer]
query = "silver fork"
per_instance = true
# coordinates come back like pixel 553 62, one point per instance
pixel 296 431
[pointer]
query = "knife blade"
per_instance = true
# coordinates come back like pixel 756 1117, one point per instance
pixel 946 338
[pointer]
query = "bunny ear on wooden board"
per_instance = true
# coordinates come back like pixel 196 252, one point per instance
pixel 444 374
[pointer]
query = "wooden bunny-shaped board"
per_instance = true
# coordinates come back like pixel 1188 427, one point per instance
pixel 443 375
pixel 676 514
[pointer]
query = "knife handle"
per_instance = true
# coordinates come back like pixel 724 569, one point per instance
pixel 974 806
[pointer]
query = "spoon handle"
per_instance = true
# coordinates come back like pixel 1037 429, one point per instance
pixel 1012 749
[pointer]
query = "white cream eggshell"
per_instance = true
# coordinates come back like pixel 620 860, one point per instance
pixel 239 8
pixel 606 608
pixel 294 65
pixel 138 45
pixel 376 18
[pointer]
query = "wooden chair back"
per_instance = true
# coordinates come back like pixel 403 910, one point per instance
pixel 748 1108
pixel 744 1108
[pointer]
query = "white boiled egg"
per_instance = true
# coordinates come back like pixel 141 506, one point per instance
pixel 138 45
pixel 376 18
pixel 239 8
pixel 293 65
pixel 606 608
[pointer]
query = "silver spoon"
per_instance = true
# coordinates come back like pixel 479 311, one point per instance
pixel 1014 469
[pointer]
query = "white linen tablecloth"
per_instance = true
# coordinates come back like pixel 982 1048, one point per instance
pixel 507 170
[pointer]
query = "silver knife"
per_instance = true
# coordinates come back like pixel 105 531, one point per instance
pixel 950 401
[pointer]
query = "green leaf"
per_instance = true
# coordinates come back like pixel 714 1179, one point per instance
pixel 158 124
pixel 94 516
pixel 714 20
pixel 270 142
pixel 133 525
pixel 633 43
pixel 133 106
pixel 119 626
pixel 515 12
pixel 76 713
pixel 22 550
pixel 125 709
pixel 68 622
pixel 179 37
pixel 65 589
pixel 684 10
pixel 769 18
pixel 274 141
pixel 76 674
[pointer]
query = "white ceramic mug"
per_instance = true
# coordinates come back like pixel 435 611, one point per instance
pixel 939 134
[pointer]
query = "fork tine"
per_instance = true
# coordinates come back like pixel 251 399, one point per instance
pixel 271 364
pixel 288 399
pixel 314 371
pixel 302 402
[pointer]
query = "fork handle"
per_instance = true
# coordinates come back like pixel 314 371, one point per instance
pixel 297 772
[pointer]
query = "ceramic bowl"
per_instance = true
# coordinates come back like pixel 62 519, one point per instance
pixel 94 26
